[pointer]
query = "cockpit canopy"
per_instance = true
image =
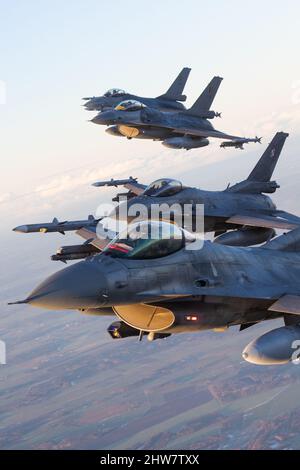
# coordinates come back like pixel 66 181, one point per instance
pixel 148 240
pixel 114 92
pixel 163 187
pixel 129 105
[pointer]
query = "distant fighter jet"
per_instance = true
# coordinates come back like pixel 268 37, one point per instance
pixel 186 129
pixel 243 209
pixel 169 101
pixel 158 285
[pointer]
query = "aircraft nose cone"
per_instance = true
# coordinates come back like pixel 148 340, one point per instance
pixel 105 117
pixel 81 285
pixel 21 229
pixel 96 120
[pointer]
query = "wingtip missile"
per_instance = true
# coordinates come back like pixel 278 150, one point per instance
pixel 114 182
pixel 239 143
pixel 56 226
pixel 17 302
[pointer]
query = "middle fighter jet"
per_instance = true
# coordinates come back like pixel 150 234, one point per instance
pixel 240 215
pixel 186 129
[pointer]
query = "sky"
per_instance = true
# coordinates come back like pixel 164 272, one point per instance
pixel 54 53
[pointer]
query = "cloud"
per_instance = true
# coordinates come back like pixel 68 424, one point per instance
pixel 65 183
pixel 284 120
pixel 5 197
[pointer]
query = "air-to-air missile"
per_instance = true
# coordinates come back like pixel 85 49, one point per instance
pixel 115 182
pixel 56 226
pixel 73 252
pixel 239 144
pixel 158 279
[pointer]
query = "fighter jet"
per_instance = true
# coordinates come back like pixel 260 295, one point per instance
pixel 169 101
pixel 186 129
pixel 158 282
pixel 240 215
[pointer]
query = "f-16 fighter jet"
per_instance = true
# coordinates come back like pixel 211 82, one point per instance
pixel 169 101
pixel 241 215
pixel 158 282
pixel 186 129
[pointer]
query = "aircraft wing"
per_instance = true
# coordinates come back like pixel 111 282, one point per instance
pixel 213 133
pixel 95 236
pixel 135 187
pixel 281 220
pixel 129 183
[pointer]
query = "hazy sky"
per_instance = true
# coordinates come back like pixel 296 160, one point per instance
pixel 54 53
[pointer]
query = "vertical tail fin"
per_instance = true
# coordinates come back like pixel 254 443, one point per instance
pixel 205 100
pixel 176 89
pixel 265 166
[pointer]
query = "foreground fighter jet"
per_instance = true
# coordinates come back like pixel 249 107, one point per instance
pixel 240 215
pixel 169 101
pixel 186 129
pixel 157 281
